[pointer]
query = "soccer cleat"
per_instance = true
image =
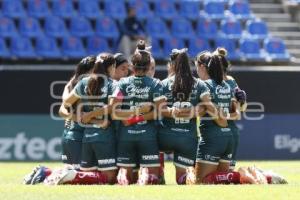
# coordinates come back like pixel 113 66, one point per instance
pixel 56 177
pixel 28 178
pixel 39 176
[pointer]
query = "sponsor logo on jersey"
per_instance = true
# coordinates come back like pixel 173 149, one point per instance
pixel 150 157
pixel 106 161
pixel 134 91
pixel 287 142
pixel 185 160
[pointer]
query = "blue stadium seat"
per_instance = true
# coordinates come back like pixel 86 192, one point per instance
pixel 13 9
pixel 231 29
pixel 142 9
pixel 115 9
pixel 38 8
pixel 107 28
pixel 46 47
pixel 240 9
pixel 95 45
pixel 89 9
pixel 4 53
pixel 157 28
pixel 72 47
pixel 214 9
pixel 182 28
pixel 30 27
pixel 250 49
pixel 257 29
pixel 156 50
pixel 22 48
pixel 276 49
pixel 81 27
pixel 197 45
pixel 207 28
pixel 165 9
pixel 55 27
pixel 7 27
pixel 63 8
pixel 230 45
pixel 172 43
pixel 189 9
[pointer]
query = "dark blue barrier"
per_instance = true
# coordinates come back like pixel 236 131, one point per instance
pixel 276 136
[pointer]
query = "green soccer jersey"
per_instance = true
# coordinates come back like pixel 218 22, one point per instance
pixel 95 133
pixel 221 96
pixel 181 125
pixel 136 90
pixel 73 131
pixel 232 83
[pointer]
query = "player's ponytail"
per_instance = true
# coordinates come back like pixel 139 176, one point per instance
pixel 96 81
pixel 83 67
pixel 184 79
pixel 141 57
pixel 222 53
pixel 215 69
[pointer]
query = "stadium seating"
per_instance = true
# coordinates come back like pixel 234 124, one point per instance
pixel 55 27
pixel 157 28
pixel 257 29
pixel 142 9
pixel 207 28
pixel 96 25
pixel 172 43
pixel 13 9
pixel 115 9
pixel 72 47
pixel 107 28
pixel 230 45
pixel 96 44
pixel 81 27
pixel 89 10
pixel 250 49
pixel 214 9
pixel 4 53
pixel 182 28
pixel 197 45
pixel 231 29
pixel 165 9
pixel 276 50
pixel 22 47
pixel 156 49
pixel 7 27
pixel 240 9
pixel 29 27
pixel 189 9
pixel 63 8
pixel 47 47
pixel 38 8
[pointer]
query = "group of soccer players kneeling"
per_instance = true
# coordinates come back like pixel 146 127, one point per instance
pixel 118 119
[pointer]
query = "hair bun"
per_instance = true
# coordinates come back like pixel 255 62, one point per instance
pixel 141 45
pixel 222 51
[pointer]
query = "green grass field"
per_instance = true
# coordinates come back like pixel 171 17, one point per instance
pixel 11 187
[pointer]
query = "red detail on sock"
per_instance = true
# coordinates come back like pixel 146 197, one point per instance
pixel 89 178
pixel 153 180
pixel 48 172
pixel 222 178
pixel 269 179
pixel 162 164
pixel 181 180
